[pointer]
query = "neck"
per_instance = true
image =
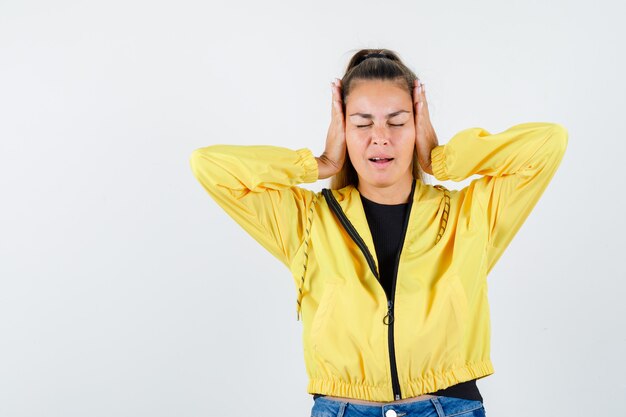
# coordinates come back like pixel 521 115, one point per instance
pixel 397 193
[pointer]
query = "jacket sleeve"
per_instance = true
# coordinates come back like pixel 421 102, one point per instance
pixel 256 186
pixel 517 166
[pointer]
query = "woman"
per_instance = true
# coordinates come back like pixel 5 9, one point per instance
pixel 390 271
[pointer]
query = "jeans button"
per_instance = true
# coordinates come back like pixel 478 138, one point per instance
pixel 391 413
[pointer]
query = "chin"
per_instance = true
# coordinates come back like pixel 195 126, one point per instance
pixel 381 181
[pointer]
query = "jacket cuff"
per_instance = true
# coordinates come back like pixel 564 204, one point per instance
pixel 438 163
pixel 307 160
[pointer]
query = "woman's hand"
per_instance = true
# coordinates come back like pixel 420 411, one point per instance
pixel 425 136
pixel 334 155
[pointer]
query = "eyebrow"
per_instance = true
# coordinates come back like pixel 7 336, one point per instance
pixel 369 116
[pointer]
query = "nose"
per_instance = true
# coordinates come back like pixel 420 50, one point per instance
pixel 379 137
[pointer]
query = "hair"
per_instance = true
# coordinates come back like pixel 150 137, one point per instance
pixel 387 68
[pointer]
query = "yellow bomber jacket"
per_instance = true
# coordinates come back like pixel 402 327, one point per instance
pixel 434 332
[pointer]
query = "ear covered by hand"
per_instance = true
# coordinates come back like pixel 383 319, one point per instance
pixel 425 136
pixel 332 159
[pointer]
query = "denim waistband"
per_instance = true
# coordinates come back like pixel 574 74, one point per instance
pixel 443 407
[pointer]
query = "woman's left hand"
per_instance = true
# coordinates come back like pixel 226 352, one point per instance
pixel 425 136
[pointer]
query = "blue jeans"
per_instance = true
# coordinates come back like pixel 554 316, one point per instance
pixel 437 406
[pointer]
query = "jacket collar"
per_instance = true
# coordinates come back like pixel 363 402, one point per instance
pixel 349 200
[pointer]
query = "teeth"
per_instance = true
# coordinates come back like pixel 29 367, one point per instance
pixel 378 159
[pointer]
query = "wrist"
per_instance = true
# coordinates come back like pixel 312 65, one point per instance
pixel 324 168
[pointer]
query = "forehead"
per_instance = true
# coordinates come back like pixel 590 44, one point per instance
pixel 375 96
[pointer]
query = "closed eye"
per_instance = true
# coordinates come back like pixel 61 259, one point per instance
pixel 389 124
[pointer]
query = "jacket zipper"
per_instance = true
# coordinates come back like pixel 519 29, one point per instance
pixel 388 319
pixel 334 205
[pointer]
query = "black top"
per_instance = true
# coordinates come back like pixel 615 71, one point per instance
pixel 385 222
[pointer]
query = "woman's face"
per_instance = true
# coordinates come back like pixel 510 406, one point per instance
pixel 380 123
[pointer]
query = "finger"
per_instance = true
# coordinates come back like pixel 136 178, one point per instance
pixel 335 99
pixel 337 110
pixel 423 101
pixel 418 92
pixel 337 87
pixel 339 99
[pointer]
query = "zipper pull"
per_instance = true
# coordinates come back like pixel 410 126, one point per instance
pixel 388 319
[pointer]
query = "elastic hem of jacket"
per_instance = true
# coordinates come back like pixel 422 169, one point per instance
pixel 413 388
pixel 307 160
pixel 438 163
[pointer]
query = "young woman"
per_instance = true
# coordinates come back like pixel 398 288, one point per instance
pixel 390 271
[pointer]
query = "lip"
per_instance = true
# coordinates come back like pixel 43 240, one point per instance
pixel 381 165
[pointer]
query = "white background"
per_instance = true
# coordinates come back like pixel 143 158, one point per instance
pixel 126 291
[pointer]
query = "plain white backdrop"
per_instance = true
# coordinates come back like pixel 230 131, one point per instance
pixel 126 291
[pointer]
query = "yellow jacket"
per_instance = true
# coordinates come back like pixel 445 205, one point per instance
pixel 434 332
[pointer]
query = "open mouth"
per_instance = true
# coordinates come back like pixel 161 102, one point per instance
pixel 381 161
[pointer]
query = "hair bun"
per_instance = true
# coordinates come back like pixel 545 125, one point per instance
pixel 375 55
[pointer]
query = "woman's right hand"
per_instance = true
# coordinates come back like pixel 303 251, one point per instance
pixel 331 161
